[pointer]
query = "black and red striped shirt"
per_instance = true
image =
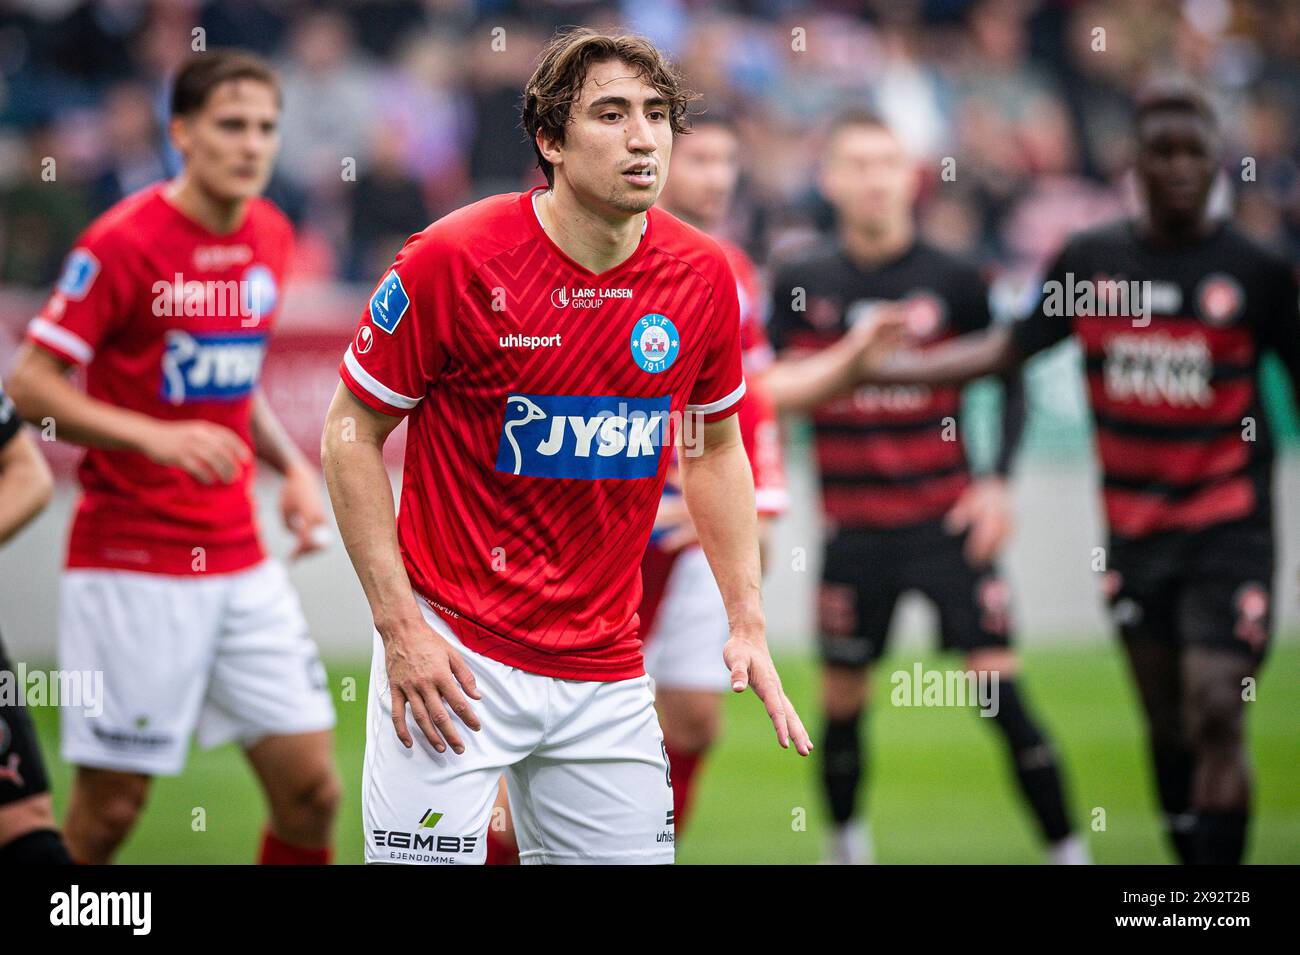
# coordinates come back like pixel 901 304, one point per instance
pixel 1173 382
pixel 889 455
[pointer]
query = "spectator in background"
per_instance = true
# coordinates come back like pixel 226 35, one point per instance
pixel 39 217
pixel 500 157
pixel 424 106
pixel 329 104
pixel 387 208
pixel 133 151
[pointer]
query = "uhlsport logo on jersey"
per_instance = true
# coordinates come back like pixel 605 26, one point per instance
pixel 389 303
pixel 655 343
pixel 217 367
pixel 585 437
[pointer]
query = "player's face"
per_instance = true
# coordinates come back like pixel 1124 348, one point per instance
pixel 616 146
pixel 706 165
pixel 229 146
pixel 1176 162
pixel 868 178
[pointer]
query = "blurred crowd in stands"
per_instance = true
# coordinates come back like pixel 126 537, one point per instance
pixel 398 111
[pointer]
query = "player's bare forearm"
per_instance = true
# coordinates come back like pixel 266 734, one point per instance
pixel 25 485
pixel 719 491
pixel 800 383
pixel 41 391
pixel 352 457
pixel 990 351
pixel 424 672
pixel 271 442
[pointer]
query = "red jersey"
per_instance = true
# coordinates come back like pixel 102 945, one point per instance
pixel 172 321
pixel 755 350
pixel 542 398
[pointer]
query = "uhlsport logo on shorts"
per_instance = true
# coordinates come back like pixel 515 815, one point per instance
pixel 585 437
pixel 655 343
pixel 218 367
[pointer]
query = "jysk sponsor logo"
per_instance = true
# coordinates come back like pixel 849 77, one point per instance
pixel 389 303
pixel 655 343
pixel 79 273
pixel 199 367
pixel 585 437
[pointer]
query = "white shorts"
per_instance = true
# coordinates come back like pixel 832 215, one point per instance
pixel 584 763
pixel 227 654
pixel 684 650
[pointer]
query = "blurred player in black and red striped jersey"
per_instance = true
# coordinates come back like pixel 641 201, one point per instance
pixel 683 620
pixel 167 303
pixel 28 835
pixel 1184 448
pixel 903 510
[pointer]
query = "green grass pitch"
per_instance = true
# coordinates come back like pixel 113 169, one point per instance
pixel 938 791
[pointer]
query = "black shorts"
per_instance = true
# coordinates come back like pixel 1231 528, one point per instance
pixel 22 773
pixel 1209 588
pixel 866 571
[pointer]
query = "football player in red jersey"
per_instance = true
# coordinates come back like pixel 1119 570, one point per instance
pixel 166 303
pixel 683 620
pixel 545 346
pixel 1172 376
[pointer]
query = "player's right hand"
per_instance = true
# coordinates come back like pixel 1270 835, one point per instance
pixel 878 334
pixel 426 672
pixel 208 452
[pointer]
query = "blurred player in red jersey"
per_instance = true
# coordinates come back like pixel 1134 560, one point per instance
pixel 546 347
pixel 28 835
pixel 683 619
pixel 167 302
pixel 1172 371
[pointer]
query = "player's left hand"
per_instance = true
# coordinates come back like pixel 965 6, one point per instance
pixel 303 510
pixel 750 663
pixel 985 511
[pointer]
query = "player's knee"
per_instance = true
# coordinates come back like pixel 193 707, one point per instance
pixel 311 802
pixel 844 692
pixel 697 729
pixel 1214 714
pixel 999 660
pixel 691 721
pixel 112 810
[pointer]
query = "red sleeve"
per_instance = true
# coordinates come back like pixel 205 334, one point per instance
pixel 762 436
pixel 93 296
pixel 399 348
pixel 720 385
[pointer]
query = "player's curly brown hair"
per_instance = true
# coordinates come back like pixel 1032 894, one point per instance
pixel 562 69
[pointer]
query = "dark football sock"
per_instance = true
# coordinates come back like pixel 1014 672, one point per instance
pixel 1219 837
pixel 42 847
pixel 1035 762
pixel 843 760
